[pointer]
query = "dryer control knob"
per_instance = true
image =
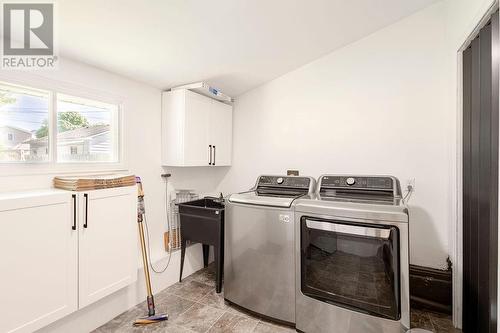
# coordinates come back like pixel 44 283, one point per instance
pixel 350 181
pixel 279 180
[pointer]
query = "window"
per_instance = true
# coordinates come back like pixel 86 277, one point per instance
pixel 86 130
pixel 24 115
pixel 70 130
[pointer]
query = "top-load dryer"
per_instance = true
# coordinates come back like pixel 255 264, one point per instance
pixel 352 272
pixel 259 261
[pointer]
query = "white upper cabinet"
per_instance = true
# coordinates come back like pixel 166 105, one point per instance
pixel 220 132
pixel 196 130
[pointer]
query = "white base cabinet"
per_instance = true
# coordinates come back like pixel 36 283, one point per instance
pixel 61 251
pixel 107 242
pixel 38 261
pixel 196 130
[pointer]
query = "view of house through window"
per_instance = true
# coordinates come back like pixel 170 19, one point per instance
pixel 84 130
pixel 23 113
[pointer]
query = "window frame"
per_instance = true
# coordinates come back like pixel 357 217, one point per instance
pixel 52 166
pixel 116 133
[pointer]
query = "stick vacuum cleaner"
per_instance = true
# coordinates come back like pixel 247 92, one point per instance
pixel 151 317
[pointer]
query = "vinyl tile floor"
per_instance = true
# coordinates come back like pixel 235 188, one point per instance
pixel 433 321
pixel 194 306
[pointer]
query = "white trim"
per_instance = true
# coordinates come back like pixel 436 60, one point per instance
pixel 456 241
pixel 52 127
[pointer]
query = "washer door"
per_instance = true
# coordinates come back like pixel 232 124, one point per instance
pixel 355 266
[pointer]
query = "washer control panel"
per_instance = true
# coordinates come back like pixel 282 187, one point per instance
pixel 362 182
pixel 284 181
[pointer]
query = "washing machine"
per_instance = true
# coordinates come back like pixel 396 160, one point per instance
pixel 352 262
pixel 259 263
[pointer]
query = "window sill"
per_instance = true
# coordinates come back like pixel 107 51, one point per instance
pixel 34 169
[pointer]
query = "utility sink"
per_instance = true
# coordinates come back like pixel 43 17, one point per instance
pixel 207 203
pixel 202 221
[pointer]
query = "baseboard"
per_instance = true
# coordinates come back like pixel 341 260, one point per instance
pixel 431 289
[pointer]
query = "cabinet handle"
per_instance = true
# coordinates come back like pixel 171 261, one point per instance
pixel 73 227
pixel 210 154
pixel 86 196
pixel 213 163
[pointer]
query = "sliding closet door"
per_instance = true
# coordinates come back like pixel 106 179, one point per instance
pixel 480 180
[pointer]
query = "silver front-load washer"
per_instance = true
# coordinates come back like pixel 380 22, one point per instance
pixel 259 263
pixel 352 272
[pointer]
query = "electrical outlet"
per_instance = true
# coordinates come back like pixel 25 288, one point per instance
pixel 410 183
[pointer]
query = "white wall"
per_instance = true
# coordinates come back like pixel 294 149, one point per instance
pixel 377 106
pixel 142 114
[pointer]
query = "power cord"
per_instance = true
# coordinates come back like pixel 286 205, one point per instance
pixel 409 189
pixel 159 271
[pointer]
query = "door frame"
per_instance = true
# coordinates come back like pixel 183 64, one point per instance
pixel 456 241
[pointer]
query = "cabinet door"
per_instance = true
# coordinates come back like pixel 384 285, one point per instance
pixel 38 261
pixel 108 243
pixel 221 132
pixel 172 129
pixel 197 109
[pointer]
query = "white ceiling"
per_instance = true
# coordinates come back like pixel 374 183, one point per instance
pixel 234 45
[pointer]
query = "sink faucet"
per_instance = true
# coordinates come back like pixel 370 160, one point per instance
pixel 219 199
